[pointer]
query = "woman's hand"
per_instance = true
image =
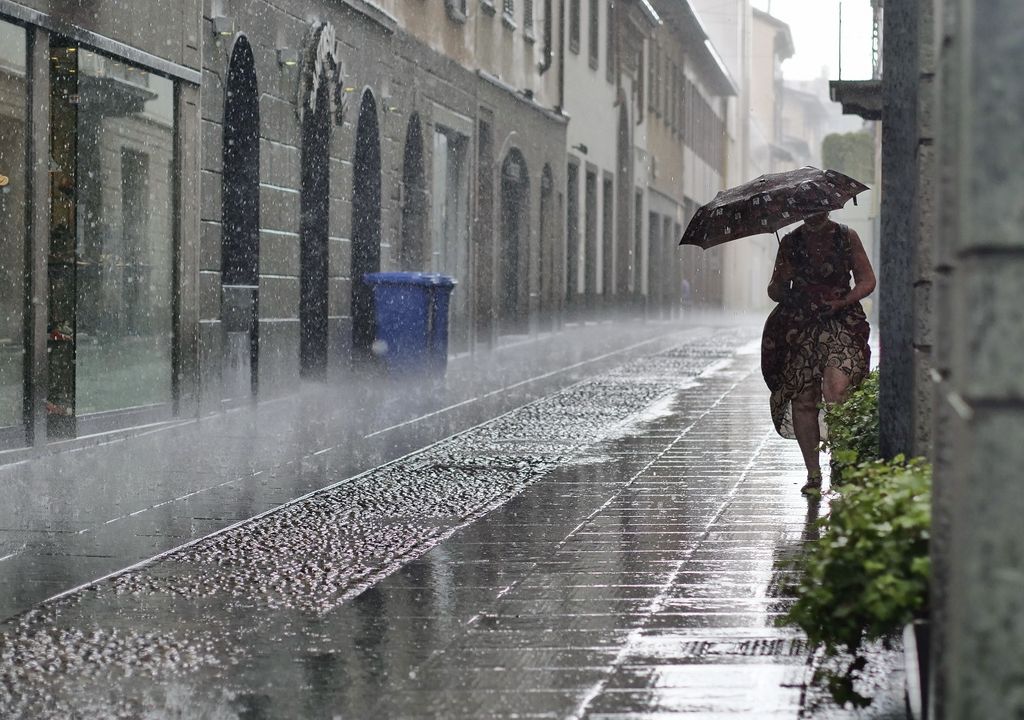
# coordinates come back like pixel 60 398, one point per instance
pixel 834 306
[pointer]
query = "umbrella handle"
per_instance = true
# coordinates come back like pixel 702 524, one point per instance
pixel 778 238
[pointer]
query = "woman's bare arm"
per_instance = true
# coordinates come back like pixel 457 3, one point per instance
pixel 863 275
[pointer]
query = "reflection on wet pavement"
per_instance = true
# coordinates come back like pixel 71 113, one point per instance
pixel 74 516
pixel 582 557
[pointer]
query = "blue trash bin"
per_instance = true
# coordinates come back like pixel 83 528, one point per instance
pixel 411 312
pixel 442 287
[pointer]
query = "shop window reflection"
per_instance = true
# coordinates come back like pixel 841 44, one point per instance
pixel 13 103
pixel 112 238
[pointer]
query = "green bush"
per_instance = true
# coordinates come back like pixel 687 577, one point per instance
pixel 868 574
pixel 853 429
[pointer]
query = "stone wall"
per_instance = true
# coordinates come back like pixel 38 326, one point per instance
pixel 979 408
pixel 405 77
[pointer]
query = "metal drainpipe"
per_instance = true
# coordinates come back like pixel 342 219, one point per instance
pixel 561 55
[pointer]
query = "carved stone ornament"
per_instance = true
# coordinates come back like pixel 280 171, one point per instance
pixel 322 64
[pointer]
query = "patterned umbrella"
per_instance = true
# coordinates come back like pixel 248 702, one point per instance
pixel 768 203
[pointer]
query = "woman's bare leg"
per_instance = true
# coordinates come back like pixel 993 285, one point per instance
pixel 835 385
pixel 805 427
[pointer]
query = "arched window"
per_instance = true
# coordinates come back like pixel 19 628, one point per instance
pixel 240 248
pixel 365 224
pixel 240 224
pixel 513 261
pixel 314 228
pixel 411 255
pixel 547 281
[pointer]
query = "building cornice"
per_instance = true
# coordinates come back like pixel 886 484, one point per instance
pixel 521 96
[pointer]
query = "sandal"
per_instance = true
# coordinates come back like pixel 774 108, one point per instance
pixel 813 484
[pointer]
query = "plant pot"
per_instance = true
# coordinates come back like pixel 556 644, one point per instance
pixel 915 649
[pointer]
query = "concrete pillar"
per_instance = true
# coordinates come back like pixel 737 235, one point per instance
pixel 924 255
pixel 898 225
pixel 944 439
pixel 979 533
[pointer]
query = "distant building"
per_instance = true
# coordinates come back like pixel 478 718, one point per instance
pixel 688 120
pixel 758 146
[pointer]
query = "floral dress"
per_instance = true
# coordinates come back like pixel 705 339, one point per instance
pixel 801 338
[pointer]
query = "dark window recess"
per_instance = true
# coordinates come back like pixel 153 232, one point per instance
pixel 313 232
pixel 609 56
pixel 595 32
pixel 574 25
pixel 636 265
pixel 528 14
pixel 607 236
pixel 590 233
pixel 241 180
pixel 456 10
pixel 483 249
pixel 572 224
pixel 641 87
pixel 514 249
pixel 652 93
pixel 549 37
pixel 366 202
pixel 414 199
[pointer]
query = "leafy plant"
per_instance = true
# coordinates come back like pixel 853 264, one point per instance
pixel 867 576
pixel 853 429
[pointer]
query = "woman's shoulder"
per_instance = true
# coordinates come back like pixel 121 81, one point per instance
pixel 792 236
pixel 843 232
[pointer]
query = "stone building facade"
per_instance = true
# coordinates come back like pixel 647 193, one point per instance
pixel 464 159
pixel 202 185
pixel 200 233
pixel 687 117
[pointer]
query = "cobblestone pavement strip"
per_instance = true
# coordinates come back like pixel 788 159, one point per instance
pixel 614 550
pixel 78 510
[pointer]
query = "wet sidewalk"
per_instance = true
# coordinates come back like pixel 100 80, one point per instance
pixel 72 516
pixel 613 550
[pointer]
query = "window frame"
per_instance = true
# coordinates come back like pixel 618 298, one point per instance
pixel 574 26
pixel 594 34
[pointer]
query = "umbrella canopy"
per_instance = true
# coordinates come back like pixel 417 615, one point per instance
pixel 768 203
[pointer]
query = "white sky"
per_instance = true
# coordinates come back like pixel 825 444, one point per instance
pixel 815 28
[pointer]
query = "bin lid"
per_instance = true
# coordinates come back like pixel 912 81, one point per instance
pixel 439 280
pixel 398 278
pixel 409 278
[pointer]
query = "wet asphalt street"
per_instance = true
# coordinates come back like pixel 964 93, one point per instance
pixel 614 548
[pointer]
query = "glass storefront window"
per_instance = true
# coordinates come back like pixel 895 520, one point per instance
pixel 112 244
pixel 13 104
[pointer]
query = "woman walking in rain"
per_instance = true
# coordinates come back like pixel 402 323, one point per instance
pixel 815 343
